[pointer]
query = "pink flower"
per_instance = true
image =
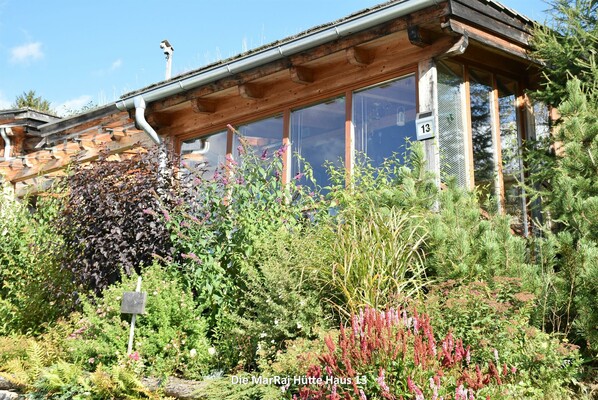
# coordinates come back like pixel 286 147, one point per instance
pixel 91 360
pixel 381 381
pixel 134 356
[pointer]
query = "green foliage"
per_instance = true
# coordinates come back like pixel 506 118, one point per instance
pixel 276 304
pixel 34 289
pixel 30 100
pixel 169 338
pixel 568 46
pixel 374 257
pixel 106 222
pixel 566 182
pixel 27 361
pixel 465 242
pixel 494 318
pixel 219 223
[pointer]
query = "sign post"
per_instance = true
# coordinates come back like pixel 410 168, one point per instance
pixel 133 303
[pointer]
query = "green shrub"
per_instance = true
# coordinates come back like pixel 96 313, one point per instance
pixel 277 304
pixel 34 290
pixel 494 318
pixel 170 338
pixel 464 243
pixel 219 222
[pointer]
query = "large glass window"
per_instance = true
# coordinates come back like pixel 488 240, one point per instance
pixel 512 168
pixel 482 130
pixel 451 123
pixel 196 158
pixel 384 119
pixel 264 137
pixel 318 136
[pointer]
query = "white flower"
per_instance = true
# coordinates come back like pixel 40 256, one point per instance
pixel 212 351
pixel 192 353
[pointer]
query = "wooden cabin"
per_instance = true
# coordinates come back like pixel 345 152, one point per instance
pixel 450 73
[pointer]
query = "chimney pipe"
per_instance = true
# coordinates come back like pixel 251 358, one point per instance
pixel 168 50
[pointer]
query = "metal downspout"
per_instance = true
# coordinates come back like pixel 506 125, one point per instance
pixel 4 132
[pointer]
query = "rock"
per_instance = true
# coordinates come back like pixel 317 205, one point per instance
pixel 6 395
pixel 175 387
pixel 5 385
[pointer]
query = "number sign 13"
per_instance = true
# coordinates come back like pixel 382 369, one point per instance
pixel 425 126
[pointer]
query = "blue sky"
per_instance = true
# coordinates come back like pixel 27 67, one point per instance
pixel 76 51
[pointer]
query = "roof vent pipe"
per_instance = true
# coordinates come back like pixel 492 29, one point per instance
pixel 168 50
pixel 5 132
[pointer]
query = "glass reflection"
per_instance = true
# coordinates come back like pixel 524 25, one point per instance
pixel 451 124
pixel 264 137
pixel 195 158
pixel 318 136
pixel 384 118
pixel 510 147
pixel 484 161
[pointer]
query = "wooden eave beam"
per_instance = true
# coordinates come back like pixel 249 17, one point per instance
pixel 419 36
pixel 302 75
pixel 13 175
pixel 251 91
pixel 203 106
pixel 486 39
pixel 430 15
pixel 359 56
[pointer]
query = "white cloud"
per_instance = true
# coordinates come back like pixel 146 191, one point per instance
pixel 26 53
pixel 116 64
pixel 72 105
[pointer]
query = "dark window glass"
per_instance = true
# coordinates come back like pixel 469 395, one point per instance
pixel 263 136
pixel 318 136
pixel 384 118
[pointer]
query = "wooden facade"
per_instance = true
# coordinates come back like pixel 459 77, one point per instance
pixel 354 85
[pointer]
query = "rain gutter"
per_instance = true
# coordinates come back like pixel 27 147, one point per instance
pixel 339 30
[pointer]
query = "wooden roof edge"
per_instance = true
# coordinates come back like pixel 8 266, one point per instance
pixel 71 122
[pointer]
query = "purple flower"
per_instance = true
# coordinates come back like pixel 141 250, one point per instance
pixel 299 176
pixel 264 154
pixel 240 150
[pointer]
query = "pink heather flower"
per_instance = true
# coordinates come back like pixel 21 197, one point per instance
pixel 419 395
pixel 362 395
pixel 381 381
pixel 467 355
pixel 460 393
pixel 134 356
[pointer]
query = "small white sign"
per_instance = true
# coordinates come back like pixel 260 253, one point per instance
pixel 425 126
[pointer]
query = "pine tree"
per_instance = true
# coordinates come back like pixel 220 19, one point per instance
pixel 30 100
pixel 570 178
